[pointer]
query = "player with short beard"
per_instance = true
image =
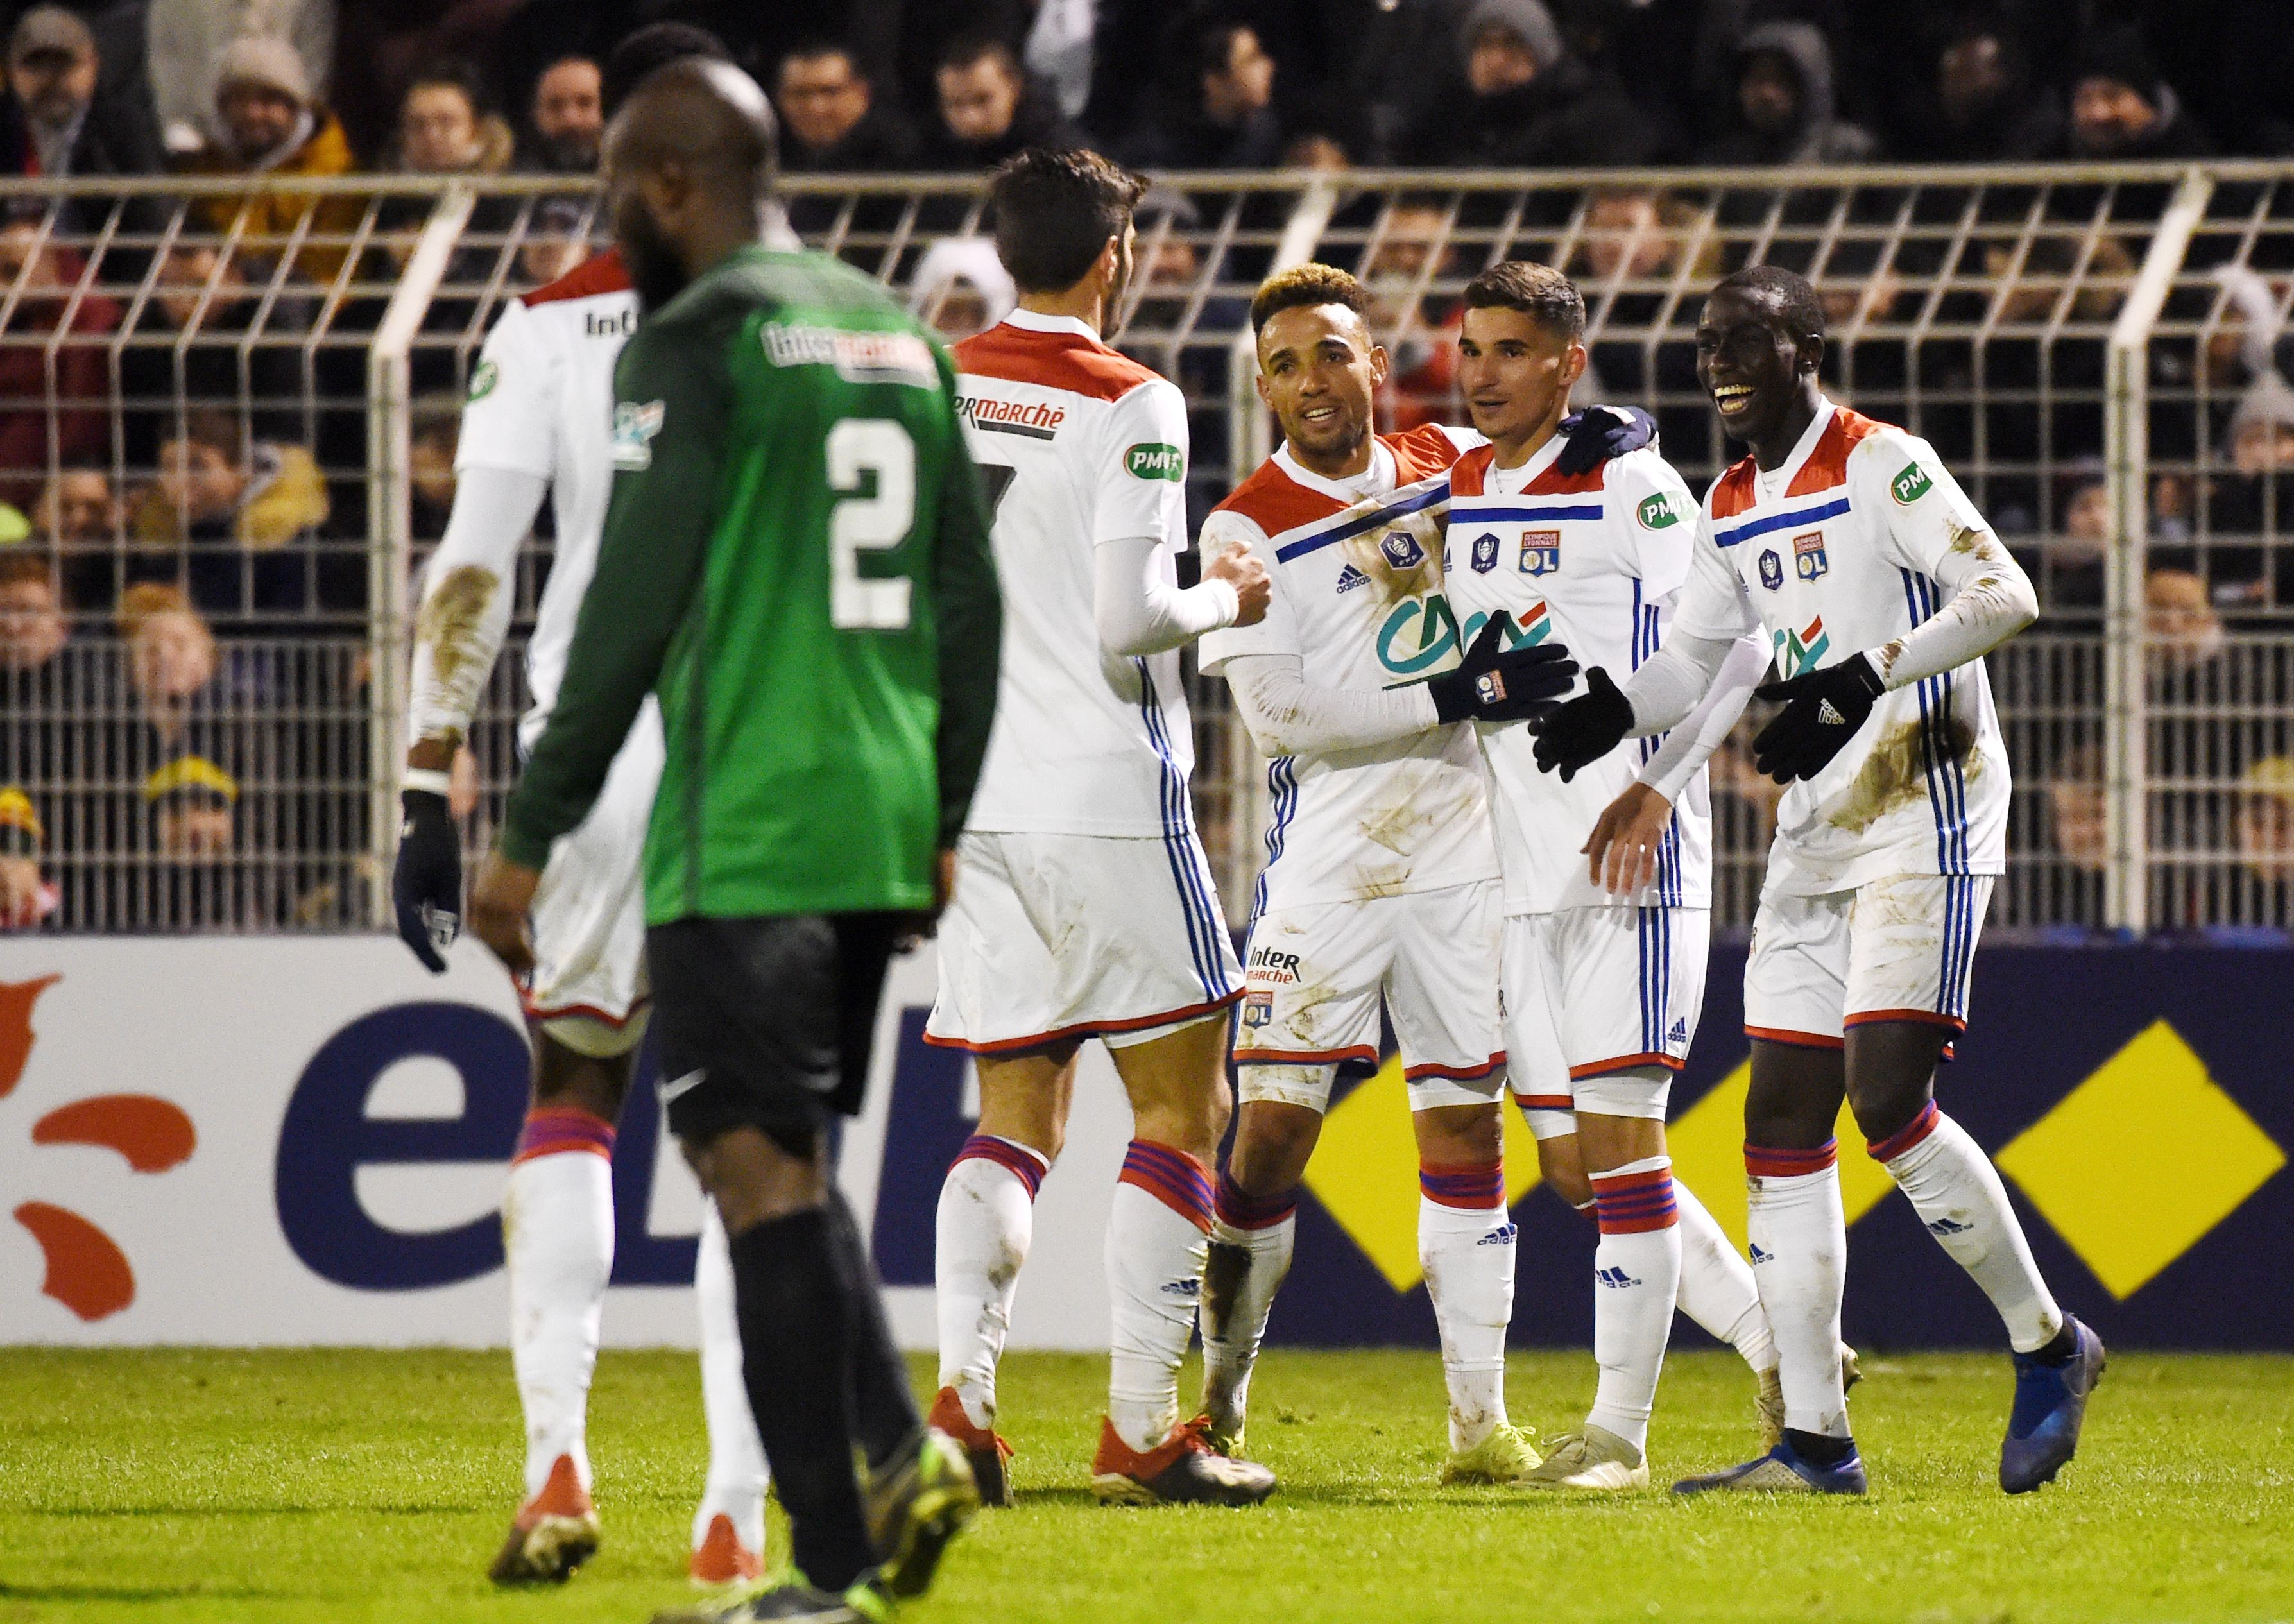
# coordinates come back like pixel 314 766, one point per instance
pixel 1880 588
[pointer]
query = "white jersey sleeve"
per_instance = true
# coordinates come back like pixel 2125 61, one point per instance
pixel 1713 603
pixel 1661 532
pixel 510 419
pixel 1143 458
pixel 1278 632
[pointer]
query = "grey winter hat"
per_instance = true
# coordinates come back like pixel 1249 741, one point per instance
pixel 1527 20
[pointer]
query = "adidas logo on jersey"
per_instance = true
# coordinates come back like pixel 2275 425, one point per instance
pixel 1350 578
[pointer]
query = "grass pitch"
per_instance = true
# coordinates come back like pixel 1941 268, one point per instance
pixel 267 1487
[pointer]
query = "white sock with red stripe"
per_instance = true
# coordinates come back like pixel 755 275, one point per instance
pixel 1157 1233
pixel 1465 1244
pixel 735 1488
pixel 558 1241
pixel 1958 1195
pixel 985 1223
pixel 1800 1257
pixel 1636 1283
pixel 1263 1230
pixel 1717 1290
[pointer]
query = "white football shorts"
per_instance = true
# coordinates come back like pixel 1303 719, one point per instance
pixel 590 990
pixel 1597 1000
pixel 1054 936
pixel 1899 949
pixel 1315 978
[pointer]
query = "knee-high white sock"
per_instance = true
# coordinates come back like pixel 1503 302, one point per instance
pixel 1956 1193
pixel 1465 1244
pixel 1800 1257
pixel 1717 1290
pixel 987 1220
pixel 1239 1291
pixel 735 1485
pixel 558 1239
pixel 1636 1283
pixel 1156 1234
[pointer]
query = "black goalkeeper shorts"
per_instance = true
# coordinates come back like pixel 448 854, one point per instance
pixel 767 1022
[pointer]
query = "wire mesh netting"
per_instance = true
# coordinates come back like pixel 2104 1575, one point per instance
pixel 204 439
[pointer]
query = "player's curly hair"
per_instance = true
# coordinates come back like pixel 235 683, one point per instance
pixel 1538 292
pixel 1056 211
pixel 1305 286
pixel 1795 300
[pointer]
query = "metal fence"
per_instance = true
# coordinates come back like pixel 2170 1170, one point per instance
pixel 257 406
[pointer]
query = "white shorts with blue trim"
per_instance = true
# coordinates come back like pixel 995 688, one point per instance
pixel 1056 936
pixel 1899 949
pixel 1317 976
pixel 1601 1005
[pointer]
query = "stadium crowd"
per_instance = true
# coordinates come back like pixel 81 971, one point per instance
pixel 183 512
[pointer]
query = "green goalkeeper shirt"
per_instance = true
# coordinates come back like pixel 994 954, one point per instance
pixel 795 558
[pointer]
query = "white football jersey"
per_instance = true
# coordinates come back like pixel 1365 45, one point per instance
pixel 1830 554
pixel 1593 561
pixel 541 402
pixel 1358 598
pixel 1075 444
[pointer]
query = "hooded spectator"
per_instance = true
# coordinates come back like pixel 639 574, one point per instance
pixel 831 123
pixel 990 109
pixel 1526 102
pixel 961 288
pixel 51 122
pixel 1982 106
pixel 2122 108
pixel 1226 90
pixel 184 42
pixel 271 124
pixel 567 118
pixel 235 515
pixel 1783 112
pixel 53 408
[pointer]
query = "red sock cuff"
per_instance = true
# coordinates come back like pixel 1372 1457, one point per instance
pixel 1769 1162
pixel 1023 1164
pixel 1173 1177
pixel 550 1130
pixel 1911 1134
pixel 1238 1209
pixel 1474 1186
pixel 1634 1202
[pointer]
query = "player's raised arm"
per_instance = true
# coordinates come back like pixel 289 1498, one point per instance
pixel 1140 609
pixel 506 453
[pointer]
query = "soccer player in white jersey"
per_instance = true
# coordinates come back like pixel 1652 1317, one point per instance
pixel 1602 988
pixel 538 423
pixel 1380 887
pixel 1084 906
pixel 1880 588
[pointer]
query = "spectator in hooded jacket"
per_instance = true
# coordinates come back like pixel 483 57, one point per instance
pixel 1784 112
pixel 272 125
pixel 2122 107
pixel 831 123
pixel 990 109
pixel 1526 102
pixel 1221 113
pixel 1982 105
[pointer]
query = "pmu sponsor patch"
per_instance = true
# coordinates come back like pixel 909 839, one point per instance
pixel 482 380
pixel 1156 461
pixel 1658 512
pixel 1911 484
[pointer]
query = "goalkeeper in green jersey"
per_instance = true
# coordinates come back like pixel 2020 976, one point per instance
pixel 795 560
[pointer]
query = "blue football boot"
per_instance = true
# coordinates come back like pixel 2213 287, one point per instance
pixel 1781 1471
pixel 2043 1430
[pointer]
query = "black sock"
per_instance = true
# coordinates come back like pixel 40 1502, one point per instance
pixel 1816 1448
pixel 2060 1347
pixel 795 1320
pixel 885 1411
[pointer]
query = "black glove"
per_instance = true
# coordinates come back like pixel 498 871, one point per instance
pixel 1822 712
pixel 427 883
pixel 1494 684
pixel 1601 433
pixel 1585 729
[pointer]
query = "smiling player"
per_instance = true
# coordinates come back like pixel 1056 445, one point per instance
pixel 1880 588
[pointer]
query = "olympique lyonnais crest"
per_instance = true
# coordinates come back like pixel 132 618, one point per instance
pixel 1257 1009
pixel 1808 556
pixel 1772 569
pixel 1541 551
pixel 1486 552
